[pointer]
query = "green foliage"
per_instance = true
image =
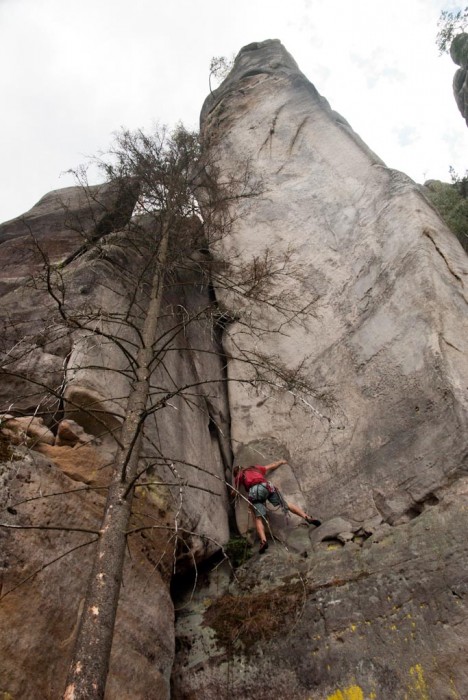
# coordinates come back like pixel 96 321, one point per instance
pixel 451 201
pixel 450 24
pixel 238 550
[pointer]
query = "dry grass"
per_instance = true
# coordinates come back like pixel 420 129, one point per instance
pixel 254 617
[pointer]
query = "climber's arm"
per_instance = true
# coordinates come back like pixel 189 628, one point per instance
pixel 275 465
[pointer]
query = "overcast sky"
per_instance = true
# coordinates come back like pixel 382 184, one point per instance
pixel 75 71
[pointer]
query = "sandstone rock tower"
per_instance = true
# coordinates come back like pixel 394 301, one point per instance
pixel 373 423
pixel 382 443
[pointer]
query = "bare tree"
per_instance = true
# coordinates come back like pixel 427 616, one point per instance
pixel 219 68
pixel 165 246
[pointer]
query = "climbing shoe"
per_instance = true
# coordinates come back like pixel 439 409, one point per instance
pixel 263 547
pixel 313 521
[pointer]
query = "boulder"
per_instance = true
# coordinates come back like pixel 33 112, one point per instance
pixel 26 428
pixel 69 433
pixel 335 528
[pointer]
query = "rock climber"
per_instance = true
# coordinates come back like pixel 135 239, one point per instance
pixel 259 491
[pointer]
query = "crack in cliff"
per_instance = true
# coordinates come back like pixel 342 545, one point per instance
pixel 393 517
pixel 214 407
pixel 429 234
pixel 296 135
pixel 60 410
pixel 219 426
pixel 269 138
pixel 447 342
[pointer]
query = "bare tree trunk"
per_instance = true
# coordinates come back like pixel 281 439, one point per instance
pixel 90 661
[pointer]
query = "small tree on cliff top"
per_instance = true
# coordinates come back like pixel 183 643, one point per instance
pixel 169 236
pixel 219 68
pixel 450 24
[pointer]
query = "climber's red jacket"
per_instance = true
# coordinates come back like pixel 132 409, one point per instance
pixel 250 476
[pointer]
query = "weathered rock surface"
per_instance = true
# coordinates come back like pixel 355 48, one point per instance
pixel 24 428
pixel 40 606
pixel 386 618
pixel 372 604
pixel 377 447
pixel 65 381
pixel 384 347
pixel 58 226
pixel 72 372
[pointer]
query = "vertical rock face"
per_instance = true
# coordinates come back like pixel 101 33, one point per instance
pixel 62 223
pixel 72 269
pixel 375 438
pixel 384 346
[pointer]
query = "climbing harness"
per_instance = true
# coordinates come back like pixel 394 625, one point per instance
pixel 284 505
pixel 260 493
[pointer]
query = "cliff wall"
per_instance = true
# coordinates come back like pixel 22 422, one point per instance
pixel 383 343
pixel 74 278
pixel 372 604
pixel 368 323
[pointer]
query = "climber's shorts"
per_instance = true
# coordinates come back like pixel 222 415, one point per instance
pixel 259 495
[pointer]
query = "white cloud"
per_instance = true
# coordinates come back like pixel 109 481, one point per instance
pixel 79 69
